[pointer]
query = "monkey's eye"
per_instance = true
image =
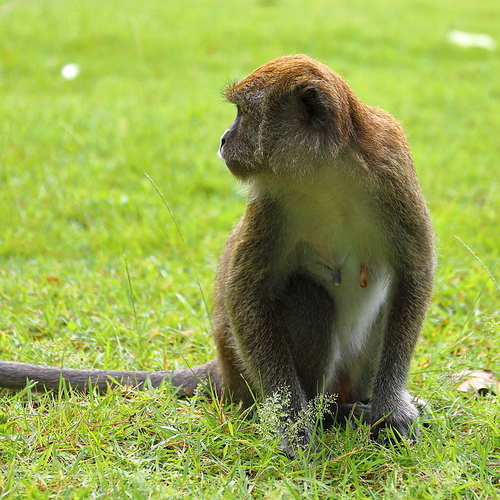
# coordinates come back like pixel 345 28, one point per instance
pixel 241 110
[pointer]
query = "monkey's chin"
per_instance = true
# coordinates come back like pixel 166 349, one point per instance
pixel 236 168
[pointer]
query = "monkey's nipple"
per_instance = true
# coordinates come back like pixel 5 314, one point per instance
pixel 363 276
pixel 337 277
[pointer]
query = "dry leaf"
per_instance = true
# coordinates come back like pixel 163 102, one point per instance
pixel 477 381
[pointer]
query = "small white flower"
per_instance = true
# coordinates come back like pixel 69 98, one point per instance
pixel 70 71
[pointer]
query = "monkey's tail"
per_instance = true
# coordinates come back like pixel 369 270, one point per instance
pixel 14 375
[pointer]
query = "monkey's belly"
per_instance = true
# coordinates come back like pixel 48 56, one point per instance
pixel 343 349
pixel 359 301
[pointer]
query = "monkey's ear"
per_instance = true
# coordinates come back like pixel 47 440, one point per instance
pixel 311 106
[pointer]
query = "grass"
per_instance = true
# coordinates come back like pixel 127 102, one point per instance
pixel 93 271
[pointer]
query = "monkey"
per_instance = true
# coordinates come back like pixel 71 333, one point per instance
pixel 324 284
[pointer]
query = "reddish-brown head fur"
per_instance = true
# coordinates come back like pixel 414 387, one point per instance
pixel 296 97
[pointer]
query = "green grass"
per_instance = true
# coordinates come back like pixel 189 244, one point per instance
pixel 93 271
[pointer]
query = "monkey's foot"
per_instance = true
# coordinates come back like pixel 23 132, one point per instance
pixel 343 414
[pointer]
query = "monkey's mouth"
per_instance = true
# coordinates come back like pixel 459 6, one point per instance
pixel 237 168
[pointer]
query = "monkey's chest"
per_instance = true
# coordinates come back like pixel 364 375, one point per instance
pixel 346 253
pixel 337 239
pixel 357 281
pixel 349 262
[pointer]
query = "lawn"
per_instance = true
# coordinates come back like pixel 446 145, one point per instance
pixel 98 269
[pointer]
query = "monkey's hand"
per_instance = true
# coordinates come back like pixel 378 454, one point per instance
pixel 288 416
pixel 400 420
pixel 296 439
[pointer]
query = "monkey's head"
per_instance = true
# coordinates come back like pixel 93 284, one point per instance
pixel 293 116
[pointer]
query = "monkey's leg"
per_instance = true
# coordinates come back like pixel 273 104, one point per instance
pixel 269 369
pixel 308 318
pixel 307 314
pixel 267 363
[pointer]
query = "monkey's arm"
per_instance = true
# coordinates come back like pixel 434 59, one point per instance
pixel 15 375
pixel 252 291
pixel 391 405
pixel 405 313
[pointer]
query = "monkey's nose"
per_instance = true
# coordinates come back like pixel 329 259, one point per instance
pixel 222 142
